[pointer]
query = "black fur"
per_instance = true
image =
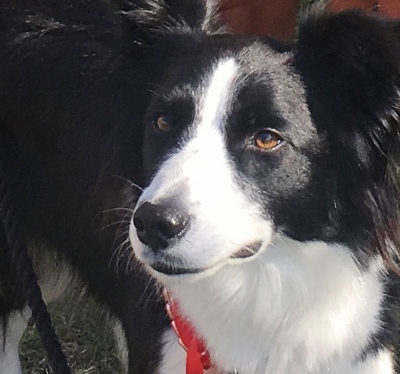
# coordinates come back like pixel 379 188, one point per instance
pixel 352 79
pixel 69 97
pixel 75 90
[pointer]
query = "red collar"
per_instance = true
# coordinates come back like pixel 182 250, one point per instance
pixel 197 355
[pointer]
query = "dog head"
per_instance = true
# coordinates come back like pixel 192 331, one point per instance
pixel 246 139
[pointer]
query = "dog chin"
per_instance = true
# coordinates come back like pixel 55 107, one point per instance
pixel 166 271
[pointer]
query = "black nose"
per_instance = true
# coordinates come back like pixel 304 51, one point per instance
pixel 157 224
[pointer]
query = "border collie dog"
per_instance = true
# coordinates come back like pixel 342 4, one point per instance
pixel 270 208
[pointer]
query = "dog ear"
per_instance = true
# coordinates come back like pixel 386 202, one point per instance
pixel 350 66
pixel 146 20
pixel 350 60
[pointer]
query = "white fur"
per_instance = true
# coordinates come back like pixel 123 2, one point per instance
pixel 295 309
pixel 174 357
pixel 218 207
pixel 122 345
pixel 217 96
pixel 55 275
pixel 9 359
pixel 56 282
pixel 381 363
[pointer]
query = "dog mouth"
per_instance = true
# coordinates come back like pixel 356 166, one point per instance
pixel 170 269
pixel 248 250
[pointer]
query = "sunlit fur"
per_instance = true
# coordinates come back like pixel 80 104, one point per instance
pixel 313 299
pixel 285 264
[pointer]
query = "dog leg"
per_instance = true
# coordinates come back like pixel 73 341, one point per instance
pixel 10 339
pixel 122 345
pixel 174 357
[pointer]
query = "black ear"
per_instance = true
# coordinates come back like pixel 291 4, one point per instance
pixel 147 20
pixel 351 61
pixel 350 66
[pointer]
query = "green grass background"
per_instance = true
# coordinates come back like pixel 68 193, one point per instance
pixel 86 336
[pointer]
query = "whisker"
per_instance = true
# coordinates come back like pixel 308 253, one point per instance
pixel 115 223
pixel 251 250
pixel 142 299
pixel 118 253
pixel 119 210
pixel 264 245
pixel 133 184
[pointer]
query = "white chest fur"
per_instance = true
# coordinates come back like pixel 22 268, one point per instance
pixel 295 308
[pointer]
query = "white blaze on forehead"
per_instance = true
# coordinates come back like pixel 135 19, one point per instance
pixel 218 94
pixel 200 177
pixel 206 161
pixel 213 99
pixel 203 173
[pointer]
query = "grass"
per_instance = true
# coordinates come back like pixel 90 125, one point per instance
pixel 86 336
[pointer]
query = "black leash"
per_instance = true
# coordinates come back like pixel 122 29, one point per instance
pixel 18 254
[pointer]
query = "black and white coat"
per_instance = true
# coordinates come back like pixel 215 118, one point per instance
pixel 270 177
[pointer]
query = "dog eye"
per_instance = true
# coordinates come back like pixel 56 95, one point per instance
pixel 163 123
pixel 267 140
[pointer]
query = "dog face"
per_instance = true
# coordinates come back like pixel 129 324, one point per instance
pixel 233 157
pixel 271 187
pixel 244 141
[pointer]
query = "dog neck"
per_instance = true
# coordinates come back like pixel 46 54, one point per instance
pixel 296 307
pixel 197 355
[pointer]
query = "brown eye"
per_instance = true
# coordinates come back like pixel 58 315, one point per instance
pixel 163 123
pixel 267 140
